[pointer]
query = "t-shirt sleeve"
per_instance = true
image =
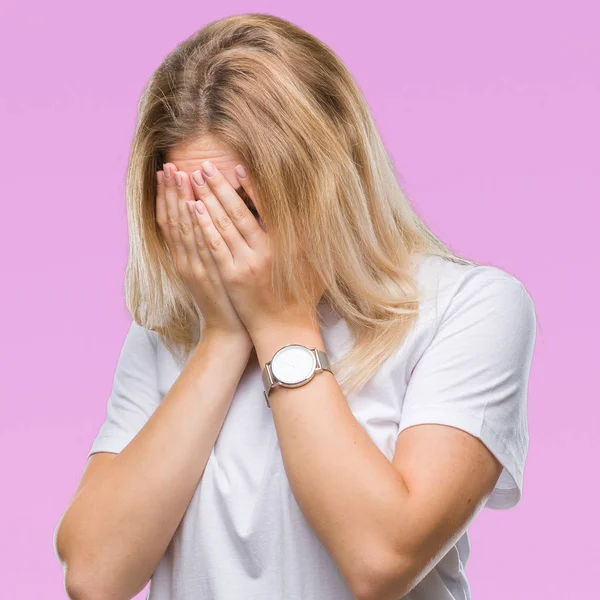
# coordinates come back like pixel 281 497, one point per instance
pixel 134 395
pixel 474 376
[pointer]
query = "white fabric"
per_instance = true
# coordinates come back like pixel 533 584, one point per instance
pixel 466 364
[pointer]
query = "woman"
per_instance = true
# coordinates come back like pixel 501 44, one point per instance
pixel 315 397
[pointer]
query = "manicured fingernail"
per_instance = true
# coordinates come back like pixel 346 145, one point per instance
pixel 241 171
pixel 178 178
pixel 200 207
pixel 167 171
pixel 208 168
pixel 197 175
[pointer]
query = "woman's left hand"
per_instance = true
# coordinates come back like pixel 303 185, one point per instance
pixel 242 253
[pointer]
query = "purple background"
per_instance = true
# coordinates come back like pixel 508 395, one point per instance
pixel 491 114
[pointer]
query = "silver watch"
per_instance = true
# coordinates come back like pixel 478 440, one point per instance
pixel 292 366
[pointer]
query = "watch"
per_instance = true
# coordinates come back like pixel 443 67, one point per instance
pixel 292 366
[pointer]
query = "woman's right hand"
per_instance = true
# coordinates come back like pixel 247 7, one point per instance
pixel 193 259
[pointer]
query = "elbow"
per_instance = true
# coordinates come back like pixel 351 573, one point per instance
pixel 76 589
pixel 77 586
pixel 92 581
pixel 82 576
pixel 80 587
pixel 385 579
pixel 95 579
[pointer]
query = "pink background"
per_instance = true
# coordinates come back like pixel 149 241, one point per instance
pixel 491 114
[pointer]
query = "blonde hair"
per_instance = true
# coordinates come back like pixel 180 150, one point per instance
pixel 290 110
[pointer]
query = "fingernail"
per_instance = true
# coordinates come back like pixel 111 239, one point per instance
pixel 159 176
pixel 208 168
pixel 197 175
pixel 178 178
pixel 200 207
pixel 167 171
pixel 241 171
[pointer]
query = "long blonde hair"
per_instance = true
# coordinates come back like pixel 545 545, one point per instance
pixel 290 110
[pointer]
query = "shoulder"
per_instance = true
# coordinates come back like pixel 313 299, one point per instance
pixel 433 270
pixel 139 337
pixel 465 291
pixel 141 331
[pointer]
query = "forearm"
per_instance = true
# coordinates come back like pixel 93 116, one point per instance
pixel 346 487
pixel 119 525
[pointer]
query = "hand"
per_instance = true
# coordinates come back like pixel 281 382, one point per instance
pixel 242 253
pixel 193 260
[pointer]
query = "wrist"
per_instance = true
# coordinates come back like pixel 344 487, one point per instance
pixel 267 341
pixel 232 342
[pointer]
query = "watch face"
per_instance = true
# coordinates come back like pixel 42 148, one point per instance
pixel 293 364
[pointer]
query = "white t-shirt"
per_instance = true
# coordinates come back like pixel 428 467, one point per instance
pixel 465 364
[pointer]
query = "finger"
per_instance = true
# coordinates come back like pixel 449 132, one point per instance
pixel 200 257
pixel 162 218
pixel 232 218
pixel 171 197
pixel 206 258
pixel 214 240
pixel 246 186
pixel 242 177
pixel 204 222
pixel 185 194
